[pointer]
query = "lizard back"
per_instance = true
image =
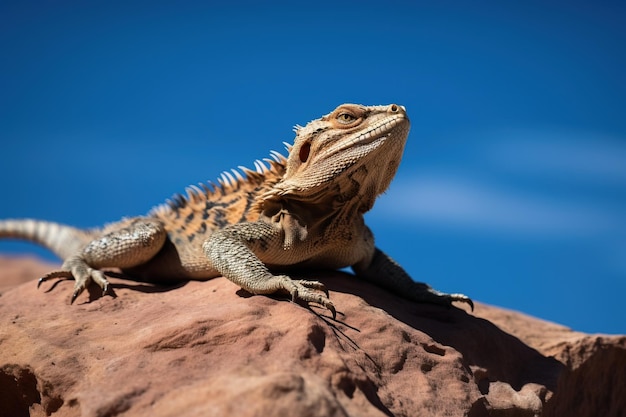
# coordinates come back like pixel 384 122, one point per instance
pixel 190 219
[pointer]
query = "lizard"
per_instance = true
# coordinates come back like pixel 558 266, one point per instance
pixel 254 227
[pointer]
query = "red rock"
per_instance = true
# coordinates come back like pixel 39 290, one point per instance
pixel 210 349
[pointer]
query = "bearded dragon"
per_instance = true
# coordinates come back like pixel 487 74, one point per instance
pixel 300 212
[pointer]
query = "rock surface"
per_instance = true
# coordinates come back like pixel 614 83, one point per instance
pixel 210 349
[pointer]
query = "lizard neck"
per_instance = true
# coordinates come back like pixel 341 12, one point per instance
pixel 317 216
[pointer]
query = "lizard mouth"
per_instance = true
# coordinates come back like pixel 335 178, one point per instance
pixel 378 134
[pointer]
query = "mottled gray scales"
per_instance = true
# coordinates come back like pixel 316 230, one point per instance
pixel 300 211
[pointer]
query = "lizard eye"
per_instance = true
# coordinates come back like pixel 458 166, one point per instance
pixel 346 118
pixel 305 150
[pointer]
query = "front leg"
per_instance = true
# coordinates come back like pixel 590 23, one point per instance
pixel 385 272
pixel 238 251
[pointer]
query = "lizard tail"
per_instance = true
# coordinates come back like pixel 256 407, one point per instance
pixel 61 239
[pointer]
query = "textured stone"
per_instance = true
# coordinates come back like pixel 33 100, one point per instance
pixel 209 348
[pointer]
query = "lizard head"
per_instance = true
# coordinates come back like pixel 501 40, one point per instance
pixel 348 156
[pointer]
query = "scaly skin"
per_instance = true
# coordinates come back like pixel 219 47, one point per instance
pixel 302 212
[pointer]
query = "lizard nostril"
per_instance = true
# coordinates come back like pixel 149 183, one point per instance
pixel 393 108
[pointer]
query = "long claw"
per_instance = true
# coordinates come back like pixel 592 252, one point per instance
pixel 462 299
pixel 332 311
pixel 54 274
pixel 75 295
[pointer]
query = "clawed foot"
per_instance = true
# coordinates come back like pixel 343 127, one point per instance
pixel 424 293
pixel 307 291
pixel 81 273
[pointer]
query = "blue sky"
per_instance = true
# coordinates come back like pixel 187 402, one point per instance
pixel 513 184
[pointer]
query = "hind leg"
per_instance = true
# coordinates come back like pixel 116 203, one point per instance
pixel 125 244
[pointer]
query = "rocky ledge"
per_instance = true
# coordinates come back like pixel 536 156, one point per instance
pixel 210 349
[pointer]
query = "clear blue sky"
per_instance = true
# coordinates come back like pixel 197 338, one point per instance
pixel 513 185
